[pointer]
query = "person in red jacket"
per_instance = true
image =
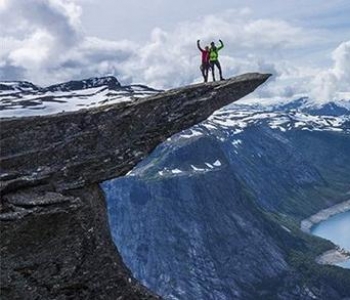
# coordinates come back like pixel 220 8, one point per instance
pixel 205 61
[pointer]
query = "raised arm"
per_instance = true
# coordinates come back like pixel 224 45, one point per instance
pixel 199 46
pixel 221 46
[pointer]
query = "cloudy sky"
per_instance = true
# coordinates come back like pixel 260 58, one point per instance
pixel 304 44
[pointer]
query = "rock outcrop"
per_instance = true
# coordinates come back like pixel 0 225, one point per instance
pixel 61 249
pixel 55 238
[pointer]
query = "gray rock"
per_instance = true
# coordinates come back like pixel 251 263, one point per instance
pixel 55 239
pixel 61 248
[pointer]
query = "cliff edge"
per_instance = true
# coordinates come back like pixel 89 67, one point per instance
pixel 56 241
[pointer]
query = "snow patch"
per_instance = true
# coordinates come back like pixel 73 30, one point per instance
pixel 176 171
pixel 198 169
pixel 209 165
pixel 217 163
pixel 236 143
pixel 192 134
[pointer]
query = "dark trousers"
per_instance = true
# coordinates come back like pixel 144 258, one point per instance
pixel 205 70
pixel 212 66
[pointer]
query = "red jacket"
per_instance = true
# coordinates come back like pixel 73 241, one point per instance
pixel 205 54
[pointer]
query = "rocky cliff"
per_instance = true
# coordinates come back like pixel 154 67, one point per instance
pixel 55 237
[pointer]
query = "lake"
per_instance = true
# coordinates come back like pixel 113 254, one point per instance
pixel 337 230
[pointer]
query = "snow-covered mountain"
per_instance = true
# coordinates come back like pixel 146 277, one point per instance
pixel 20 98
pixel 230 124
pixel 237 118
pixel 309 106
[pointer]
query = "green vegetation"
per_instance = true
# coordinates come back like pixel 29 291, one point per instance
pixel 318 275
pixel 309 200
pixel 301 251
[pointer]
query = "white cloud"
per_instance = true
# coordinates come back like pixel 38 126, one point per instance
pixel 44 42
pixel 33 50
pixel 328 84
pixel 341 56
pixel 36 34
pixel 171 58
pixel 3 4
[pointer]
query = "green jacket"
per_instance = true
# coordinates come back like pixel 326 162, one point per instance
pixel 214 52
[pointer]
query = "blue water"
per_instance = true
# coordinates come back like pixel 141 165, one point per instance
pixel 337 230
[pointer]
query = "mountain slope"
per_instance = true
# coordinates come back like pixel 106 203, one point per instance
pixel 215 210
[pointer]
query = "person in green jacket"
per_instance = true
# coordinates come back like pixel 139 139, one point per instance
pixel 214 58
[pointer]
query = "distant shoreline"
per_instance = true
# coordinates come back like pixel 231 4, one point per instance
pixel 334 256
pixel 323 215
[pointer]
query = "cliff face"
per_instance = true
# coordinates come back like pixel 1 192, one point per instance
pixel 215 210
pixel 55 237
pixel 61 249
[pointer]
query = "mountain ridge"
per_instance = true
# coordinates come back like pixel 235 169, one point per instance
pixel 22 99
pixel 68 85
